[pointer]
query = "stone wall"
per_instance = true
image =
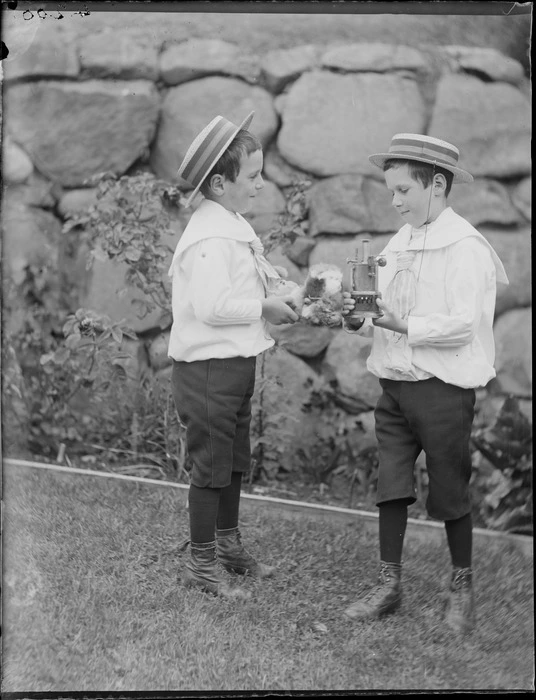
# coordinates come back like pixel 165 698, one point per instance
pixel 124 101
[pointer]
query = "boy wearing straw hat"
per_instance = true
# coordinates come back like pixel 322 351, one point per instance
pixel 432 347
pixel 219 281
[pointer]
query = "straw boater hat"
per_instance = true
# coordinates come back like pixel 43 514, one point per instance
pixel 425 149
pixel 206 149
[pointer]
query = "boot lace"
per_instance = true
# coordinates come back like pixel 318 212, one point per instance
pixel 376 594
pixel 462 578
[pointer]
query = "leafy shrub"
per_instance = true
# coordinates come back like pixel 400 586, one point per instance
pixel 507 445
pixel 269 430
pixel 128 224
pixel 69 372
pixel 343 446
pixel 293 222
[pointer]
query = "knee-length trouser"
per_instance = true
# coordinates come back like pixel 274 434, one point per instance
pixel 213 399
pixel 435 417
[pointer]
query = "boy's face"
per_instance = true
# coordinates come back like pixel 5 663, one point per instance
pixel 240 194
pixel 410 198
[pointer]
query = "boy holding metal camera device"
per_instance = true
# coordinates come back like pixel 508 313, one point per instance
pixel 433 345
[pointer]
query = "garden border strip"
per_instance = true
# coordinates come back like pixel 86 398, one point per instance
pixel 421 529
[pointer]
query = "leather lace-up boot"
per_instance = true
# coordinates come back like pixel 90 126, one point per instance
pixel 204 571
pixel 384 598
pixel 235 557
pixel 460 614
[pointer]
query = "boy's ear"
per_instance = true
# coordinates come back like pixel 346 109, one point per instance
pixel 216 184
pixel 440 183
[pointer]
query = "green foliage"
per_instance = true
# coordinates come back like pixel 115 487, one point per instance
pixel 60 374
pixel 74 372
pixel 342 447
pixel 269 430
pixel 128 224
pixel 293 222
pixel 71 378
pixel 507 446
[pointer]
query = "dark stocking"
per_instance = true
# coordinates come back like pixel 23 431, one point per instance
pixel 230 503
pixel 203 506
pixel 393 521
pixel 460 539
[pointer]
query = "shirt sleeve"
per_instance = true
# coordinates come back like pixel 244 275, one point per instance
pixel 466 280
pixel 212 288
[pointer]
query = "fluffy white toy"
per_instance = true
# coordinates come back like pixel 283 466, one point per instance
pixel 319 300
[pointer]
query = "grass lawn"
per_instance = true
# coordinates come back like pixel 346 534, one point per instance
pixel 92 602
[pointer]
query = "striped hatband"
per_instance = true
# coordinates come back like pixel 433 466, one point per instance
pixel 425 149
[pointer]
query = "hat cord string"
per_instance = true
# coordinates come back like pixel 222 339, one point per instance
pixel 426 223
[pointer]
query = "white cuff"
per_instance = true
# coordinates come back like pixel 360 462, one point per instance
pixel 257 308
pixel 417 330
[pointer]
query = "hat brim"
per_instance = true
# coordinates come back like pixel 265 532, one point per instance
pixel 460 176
pixel 244 125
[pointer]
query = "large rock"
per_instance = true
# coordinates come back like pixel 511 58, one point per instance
pixel 489 122
pixel 278 257
pixel 300 250
pixel 36 191
pixel 349 204
pixel 197 58
pixel 17 167
pixel 383 215
pixel 188 108
pixel 301 339
pixel 484 202
pixel 331 123
pixel 31 237
pixel 514 250
pixel 128 55
pixel 338 205
pixel 488 62
pixel 72 131
pixel 375 56
pixel 522 197
pixel 513 347
pixel 105 291
pixel 77 201
pixel 40 49
pixel 346 361
pixel 279 102
pixel 267 208
pixel 281 66
pixel 30 241
pixel 280 172
pixel 262 31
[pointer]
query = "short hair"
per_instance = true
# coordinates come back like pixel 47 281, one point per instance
pixel 422 172
pixel 228 164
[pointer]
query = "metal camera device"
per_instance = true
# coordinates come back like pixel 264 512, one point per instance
pixel 364 283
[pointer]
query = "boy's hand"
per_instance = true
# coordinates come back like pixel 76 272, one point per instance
pixel 347 303
pixel 276 311
pixel 390 320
